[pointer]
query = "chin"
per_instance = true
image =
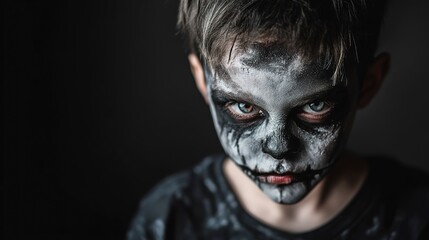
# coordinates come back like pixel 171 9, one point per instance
pixel 289 193
pixel 285 194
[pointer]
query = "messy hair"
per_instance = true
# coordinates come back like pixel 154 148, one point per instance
pixel 336 33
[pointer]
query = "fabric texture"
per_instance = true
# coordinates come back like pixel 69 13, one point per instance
pixel 393 203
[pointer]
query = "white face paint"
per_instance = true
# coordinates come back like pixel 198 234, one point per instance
pixel 279 119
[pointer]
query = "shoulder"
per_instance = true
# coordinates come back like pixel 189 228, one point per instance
pixel 149 221
pixel 157 206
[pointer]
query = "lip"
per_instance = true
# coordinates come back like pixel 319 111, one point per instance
pixel 286 178
pixel 278 179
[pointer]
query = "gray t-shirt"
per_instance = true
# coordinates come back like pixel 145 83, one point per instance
pixel 393 203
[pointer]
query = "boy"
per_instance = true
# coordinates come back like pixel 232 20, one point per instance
pixel 283 80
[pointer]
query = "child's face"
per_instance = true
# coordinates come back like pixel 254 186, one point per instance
pixel 280 120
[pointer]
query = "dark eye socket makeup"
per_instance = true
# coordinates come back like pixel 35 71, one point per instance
pixel 314 109
pixel 242 111
pixel 313 112
pixel 237 108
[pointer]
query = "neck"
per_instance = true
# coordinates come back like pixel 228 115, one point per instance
pixel 322 204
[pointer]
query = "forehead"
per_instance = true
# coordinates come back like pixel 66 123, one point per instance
pixel 273 58
pixel 263 71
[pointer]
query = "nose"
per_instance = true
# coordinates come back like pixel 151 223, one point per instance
pixel 280 145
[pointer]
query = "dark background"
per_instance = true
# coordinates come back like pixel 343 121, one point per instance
pixel 99 105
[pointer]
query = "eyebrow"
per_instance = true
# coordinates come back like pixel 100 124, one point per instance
pixel 236 95
pixel 339 91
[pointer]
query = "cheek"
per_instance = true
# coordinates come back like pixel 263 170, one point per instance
pixel 321 147
pixel 241 144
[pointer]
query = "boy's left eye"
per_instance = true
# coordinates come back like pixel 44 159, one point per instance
pixel 315 107
pixel 315 112
pixel 243 111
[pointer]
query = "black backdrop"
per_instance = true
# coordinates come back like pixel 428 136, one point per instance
pixel 99 105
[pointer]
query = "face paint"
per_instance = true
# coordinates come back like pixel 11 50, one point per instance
pixel 280 119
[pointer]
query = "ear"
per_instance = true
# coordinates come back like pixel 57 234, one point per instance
pixel 198 73
pixel 373 79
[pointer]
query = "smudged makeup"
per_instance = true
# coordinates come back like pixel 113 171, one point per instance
pixel 279 118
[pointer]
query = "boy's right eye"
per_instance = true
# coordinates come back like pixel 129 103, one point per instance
pixel 244 112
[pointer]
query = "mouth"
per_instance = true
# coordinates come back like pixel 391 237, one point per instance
pixel 286 178
pixel 278 179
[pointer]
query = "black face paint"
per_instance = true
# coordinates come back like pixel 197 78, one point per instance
pixel 280 119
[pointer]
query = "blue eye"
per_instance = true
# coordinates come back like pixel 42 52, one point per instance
pixel 243 111
pixel 317 106
pixel 315 112
pixel 245 108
